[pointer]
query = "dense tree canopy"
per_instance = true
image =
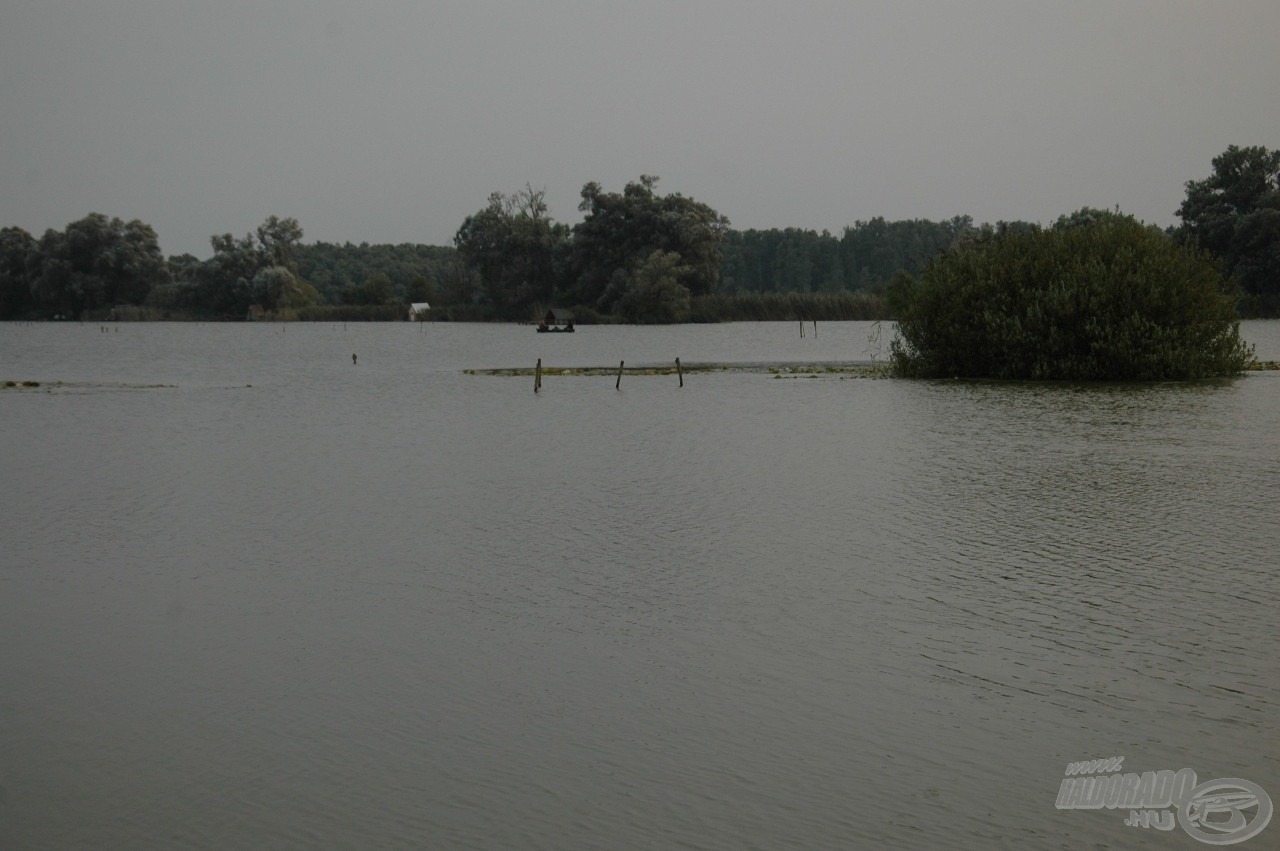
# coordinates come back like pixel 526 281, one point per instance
pixel 668 245
pixel 1101 299
pixel 517 250
pixel 16 245
pixel 353 274
pixel 620 232
pixel 278 239
pixel 652 293
pixel 96 262
pixel 222 281
pixel 865 257
pixel 1235 214
pixel 256 269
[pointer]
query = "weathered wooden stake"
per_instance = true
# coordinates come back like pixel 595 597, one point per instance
pixel 617 385
pixel 815 329
pixel 801 328
pixel 679 372
pixel 537 377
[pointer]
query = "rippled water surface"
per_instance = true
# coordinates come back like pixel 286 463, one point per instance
pixel 255 595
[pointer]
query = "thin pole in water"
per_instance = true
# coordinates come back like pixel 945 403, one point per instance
pixel 679 372
pixel 537 377
pixel 617 385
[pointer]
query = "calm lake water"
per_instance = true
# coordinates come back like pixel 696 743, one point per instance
pixel 255 596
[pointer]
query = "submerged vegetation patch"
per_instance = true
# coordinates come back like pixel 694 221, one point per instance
pixel 777 370
pixel 76 386
pixel 774 370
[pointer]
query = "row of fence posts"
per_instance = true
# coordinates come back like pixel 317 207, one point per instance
pixel 617 385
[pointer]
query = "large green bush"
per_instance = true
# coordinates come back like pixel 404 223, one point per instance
pixel 1094 298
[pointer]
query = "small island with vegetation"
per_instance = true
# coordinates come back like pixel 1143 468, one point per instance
pixel 1095 295
pixel 1098 296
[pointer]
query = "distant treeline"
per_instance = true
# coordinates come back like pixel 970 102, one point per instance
pixel 276 276
pixel 379 274
pixel 636 256
pixel 829 277
pixel 865 256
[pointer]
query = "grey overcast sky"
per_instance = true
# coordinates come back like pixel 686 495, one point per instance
pixel 392 120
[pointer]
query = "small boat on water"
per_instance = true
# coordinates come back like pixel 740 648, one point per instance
pixel 556 321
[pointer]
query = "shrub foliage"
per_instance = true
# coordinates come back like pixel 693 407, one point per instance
pixel 1100 297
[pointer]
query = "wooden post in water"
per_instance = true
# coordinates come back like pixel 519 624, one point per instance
pixel 679 372
pixel 815 329
pixel 802 328
pixel 537 377
pixel 617 385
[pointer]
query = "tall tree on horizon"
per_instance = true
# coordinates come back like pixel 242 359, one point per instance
pixel 16 246
pixel 1234 213
pixel 620 232
pixel 96 262
pixel 516 248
